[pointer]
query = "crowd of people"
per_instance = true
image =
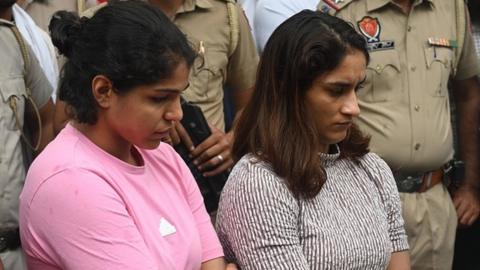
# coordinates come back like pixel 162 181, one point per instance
pixel 348 131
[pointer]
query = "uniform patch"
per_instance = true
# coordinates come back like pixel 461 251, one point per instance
pixel 381 45
pixel 371 29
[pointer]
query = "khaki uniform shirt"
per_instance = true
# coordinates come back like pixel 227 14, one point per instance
pixel 206 24
pixel 12 84
pixel 41 13
pixel 404 104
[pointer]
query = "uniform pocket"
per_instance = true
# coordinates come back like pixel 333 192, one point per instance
pixel 12 90
pixel 202 77
pixel 438 61
pixel 383 81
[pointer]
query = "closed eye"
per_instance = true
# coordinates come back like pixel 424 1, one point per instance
pixel 158 99
pixel 361 84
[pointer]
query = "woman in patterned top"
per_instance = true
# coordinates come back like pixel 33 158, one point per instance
pixel 306 193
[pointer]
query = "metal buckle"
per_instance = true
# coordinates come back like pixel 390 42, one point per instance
pixel 9 239
pixel 3 244
pixel 408 183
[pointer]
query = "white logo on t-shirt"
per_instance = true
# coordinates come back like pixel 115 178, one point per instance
pixel 166 228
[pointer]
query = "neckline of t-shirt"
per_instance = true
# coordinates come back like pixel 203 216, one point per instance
pixel 106 157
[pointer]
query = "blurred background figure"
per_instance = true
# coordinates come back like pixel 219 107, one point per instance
pixel 42 10
pixel 41 45
pixel 26 114
pixel 271 13
pixel 467 242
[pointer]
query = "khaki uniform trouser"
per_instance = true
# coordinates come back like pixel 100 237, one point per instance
pixel 430 223
pixel 13 260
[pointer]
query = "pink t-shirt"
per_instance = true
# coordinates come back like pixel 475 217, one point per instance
pixel 82 208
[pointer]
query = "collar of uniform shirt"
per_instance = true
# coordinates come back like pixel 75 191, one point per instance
pixel 189 5
pixel 5 22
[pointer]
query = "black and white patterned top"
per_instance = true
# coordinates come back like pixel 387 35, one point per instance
pixel 354 222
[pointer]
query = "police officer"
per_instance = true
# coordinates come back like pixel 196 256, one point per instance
pixel 227 56
pixel 415 48
pixel 41 10
pixel 22 86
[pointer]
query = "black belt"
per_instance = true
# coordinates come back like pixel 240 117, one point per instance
pixel 422 181
pixel 419 182
pixel 9 239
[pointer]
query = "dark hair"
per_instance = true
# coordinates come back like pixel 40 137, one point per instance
pixel 7 3
pixel 276 125
pixel 130 42
pixel 474 9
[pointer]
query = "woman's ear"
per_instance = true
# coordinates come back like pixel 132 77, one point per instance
pixel 102 91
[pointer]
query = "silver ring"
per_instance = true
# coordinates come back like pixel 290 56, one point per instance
pixel 220 158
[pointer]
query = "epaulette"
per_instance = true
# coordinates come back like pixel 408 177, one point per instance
pixel 5 23
pixel 332 6
pixel 234 25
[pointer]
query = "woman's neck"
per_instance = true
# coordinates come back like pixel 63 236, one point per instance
pixel 109 142
pixel 324 148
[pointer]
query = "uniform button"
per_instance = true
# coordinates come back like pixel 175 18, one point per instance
pixel 417 108
pixel 417 146
pixel 413 68
pixel 378 67
pixel 409 28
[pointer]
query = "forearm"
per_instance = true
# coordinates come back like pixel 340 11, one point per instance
pixel 399 261
pixel 467 98
pixel 214 264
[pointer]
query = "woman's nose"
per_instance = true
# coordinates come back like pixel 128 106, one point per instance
pixel 350 106
pixel 174 111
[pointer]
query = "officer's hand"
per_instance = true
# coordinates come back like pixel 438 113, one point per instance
pixel 213 155
pixel 1 265
pixel 467 205
pixel 178 134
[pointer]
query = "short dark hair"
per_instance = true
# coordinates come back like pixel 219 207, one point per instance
pixel 130 42
pixel 276 125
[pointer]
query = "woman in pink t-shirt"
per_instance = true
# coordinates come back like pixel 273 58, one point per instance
pixel 107 193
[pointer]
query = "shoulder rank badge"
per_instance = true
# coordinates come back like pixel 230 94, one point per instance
pixel 328 6
pixel 371 29
pixel 332 6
